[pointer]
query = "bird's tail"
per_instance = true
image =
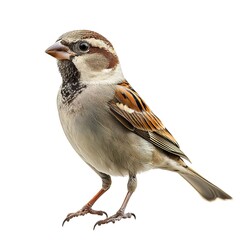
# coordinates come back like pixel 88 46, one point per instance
pixel 208 190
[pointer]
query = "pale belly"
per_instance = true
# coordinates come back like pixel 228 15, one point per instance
pixel 105 144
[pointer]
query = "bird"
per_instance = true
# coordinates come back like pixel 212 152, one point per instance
pixel 110 126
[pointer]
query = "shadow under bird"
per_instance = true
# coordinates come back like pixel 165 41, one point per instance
pixel 109 125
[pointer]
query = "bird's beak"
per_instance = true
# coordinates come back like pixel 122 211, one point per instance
pixel 60 51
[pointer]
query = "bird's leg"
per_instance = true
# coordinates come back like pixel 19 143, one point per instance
pixel 132 184
pixel 106 183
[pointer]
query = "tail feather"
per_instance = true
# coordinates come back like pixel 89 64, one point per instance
pixel 208 190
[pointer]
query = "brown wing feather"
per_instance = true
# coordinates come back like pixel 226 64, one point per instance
pixel 144 118
pixel 128 106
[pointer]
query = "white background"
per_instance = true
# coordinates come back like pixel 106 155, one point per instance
pixel 182 57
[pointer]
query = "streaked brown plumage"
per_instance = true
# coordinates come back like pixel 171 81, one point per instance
pixel 109 125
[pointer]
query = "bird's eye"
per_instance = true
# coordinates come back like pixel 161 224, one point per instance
pixel 83 47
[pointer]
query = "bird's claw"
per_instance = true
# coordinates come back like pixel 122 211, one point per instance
pixel 116 217
pixel 86 209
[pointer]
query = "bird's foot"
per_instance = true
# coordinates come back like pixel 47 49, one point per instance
pixel 86 209
pixel 116 217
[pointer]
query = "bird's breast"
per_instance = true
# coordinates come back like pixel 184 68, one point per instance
pixel 101 140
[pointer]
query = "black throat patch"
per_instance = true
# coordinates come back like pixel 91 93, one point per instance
pixel 71 85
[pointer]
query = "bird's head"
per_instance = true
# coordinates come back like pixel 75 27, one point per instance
pixel 91 54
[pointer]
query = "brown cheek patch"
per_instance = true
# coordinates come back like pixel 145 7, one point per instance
pixel 97 62
pixel 111 59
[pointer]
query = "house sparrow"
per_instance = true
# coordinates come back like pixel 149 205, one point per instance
pixel 109 125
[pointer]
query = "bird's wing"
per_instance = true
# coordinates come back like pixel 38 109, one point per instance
pixel 128 107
